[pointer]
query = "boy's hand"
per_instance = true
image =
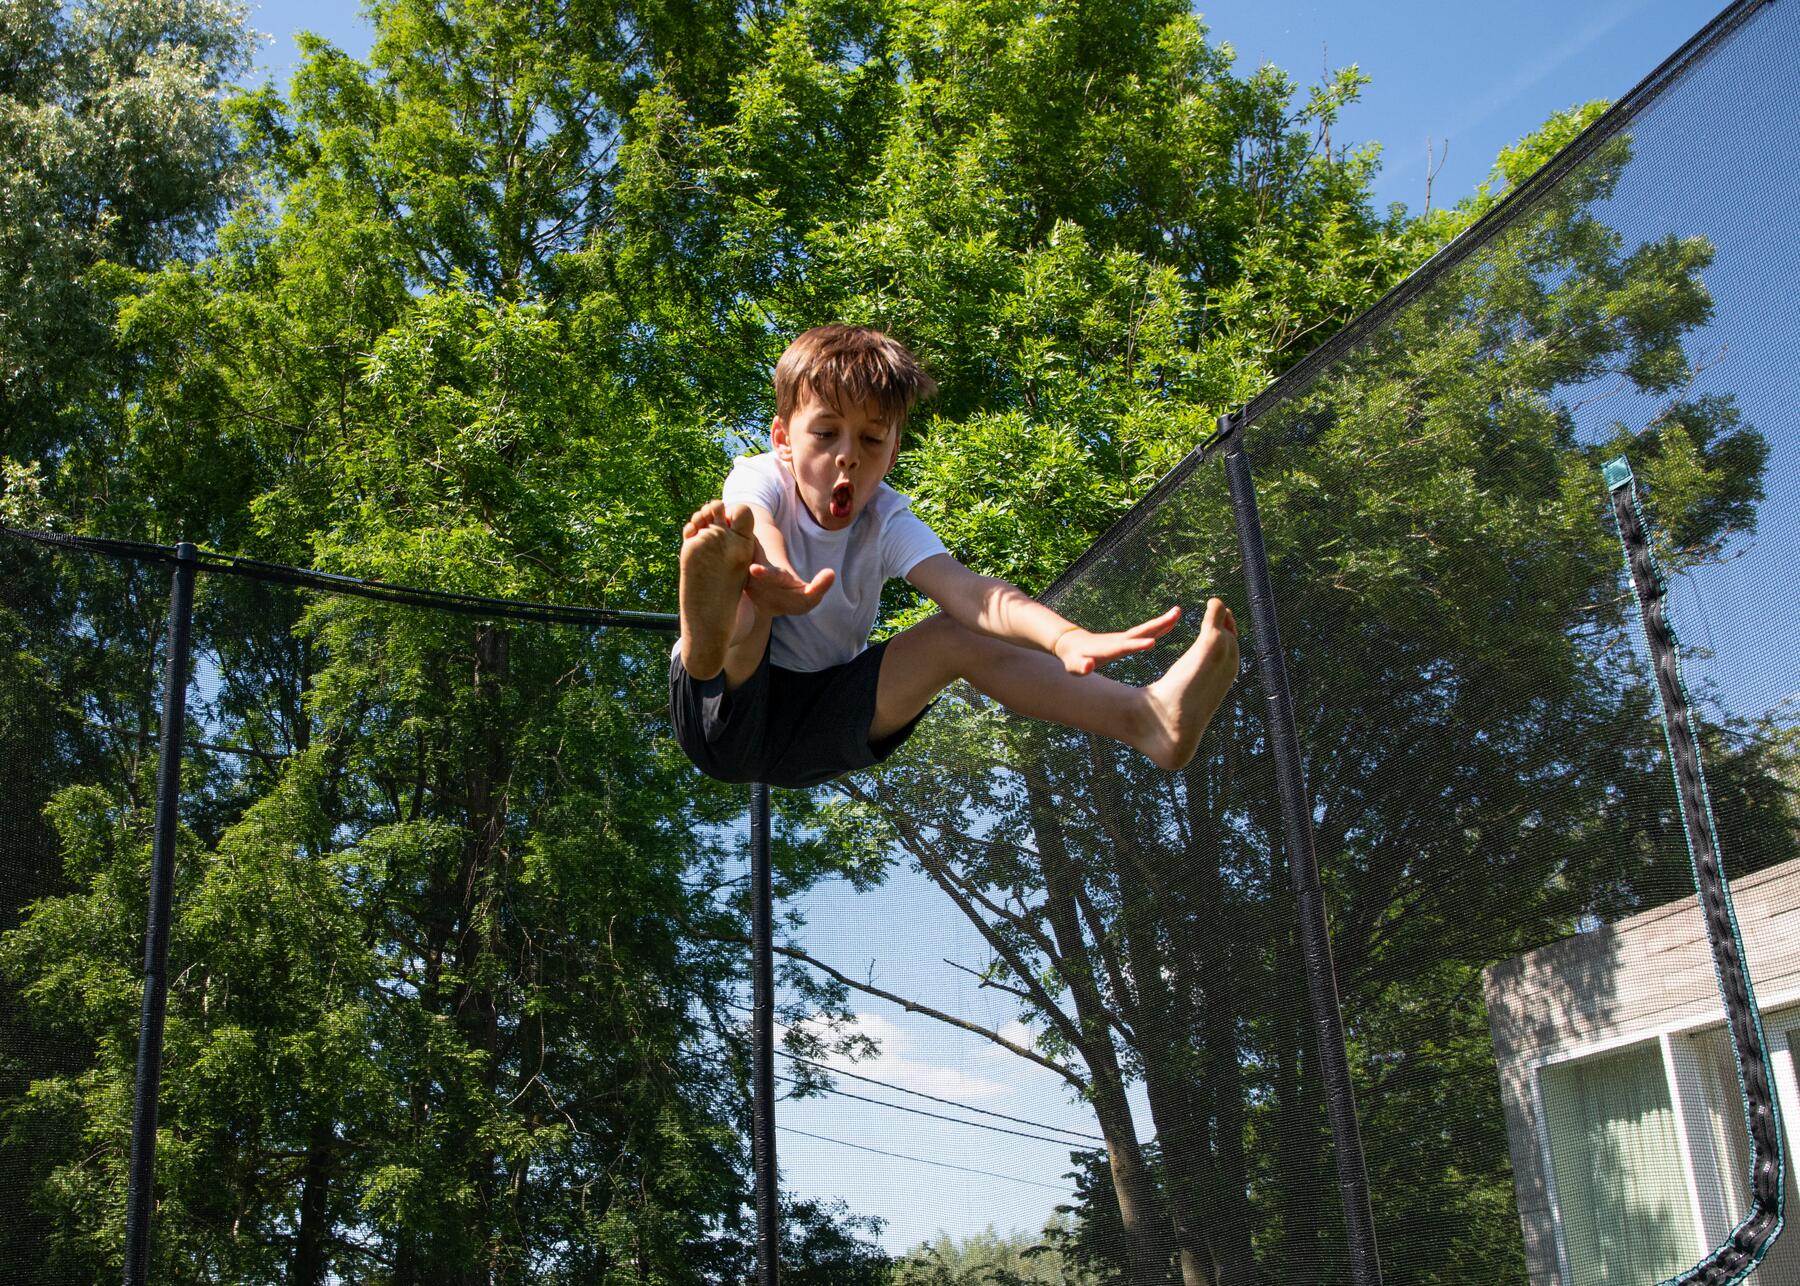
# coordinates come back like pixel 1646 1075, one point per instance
pixel 1081 651
pixel 780 592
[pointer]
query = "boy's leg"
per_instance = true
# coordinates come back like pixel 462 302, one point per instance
pixel 1164 719
pixel 721 629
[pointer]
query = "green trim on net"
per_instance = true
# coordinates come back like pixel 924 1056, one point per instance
pixel 1738 1255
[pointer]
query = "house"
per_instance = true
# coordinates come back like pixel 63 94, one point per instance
pixel 1623 1111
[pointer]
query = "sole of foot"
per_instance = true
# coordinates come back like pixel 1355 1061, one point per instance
pixel 716 551
pixel 1184 700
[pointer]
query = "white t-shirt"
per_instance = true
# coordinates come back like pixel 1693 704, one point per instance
pixel 886 540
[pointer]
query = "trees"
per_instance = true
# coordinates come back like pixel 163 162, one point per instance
pixel 453 1005
pixel 475 324
pixel 119 158
pixel 1483 777
pixel 490 312
pixel 989 1259
pixel 1086 312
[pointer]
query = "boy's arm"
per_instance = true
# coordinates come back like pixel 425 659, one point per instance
pixel 1005 611
pixel 774 586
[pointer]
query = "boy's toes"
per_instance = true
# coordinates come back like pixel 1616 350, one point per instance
pixel 710 514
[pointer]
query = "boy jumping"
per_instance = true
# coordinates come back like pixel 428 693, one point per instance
pixel 774 679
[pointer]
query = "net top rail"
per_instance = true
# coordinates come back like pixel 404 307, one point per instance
pixel 332 582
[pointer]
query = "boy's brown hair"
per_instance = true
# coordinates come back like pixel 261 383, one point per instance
pixel 851 364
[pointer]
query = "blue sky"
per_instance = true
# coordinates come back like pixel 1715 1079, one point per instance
pixel 1472 77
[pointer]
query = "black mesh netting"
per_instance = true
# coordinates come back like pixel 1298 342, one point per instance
pixel 79 693
pixel 456 978
pixel 1544 1078
pixel 459 985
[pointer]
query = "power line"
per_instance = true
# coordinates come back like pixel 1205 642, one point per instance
pixel 942 1165
pixel 936 1116
pixel 947 1102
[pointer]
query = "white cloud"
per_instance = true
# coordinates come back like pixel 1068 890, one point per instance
pixel 903 1062
pixel 1019 1033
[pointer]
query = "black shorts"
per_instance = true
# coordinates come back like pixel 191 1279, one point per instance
pixel 791 728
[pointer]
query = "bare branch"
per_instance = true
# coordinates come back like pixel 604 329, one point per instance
pixel 1431 170
pixel 987 981
pixel 915 1007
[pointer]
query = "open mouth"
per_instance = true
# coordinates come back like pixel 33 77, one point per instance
pixel 841 495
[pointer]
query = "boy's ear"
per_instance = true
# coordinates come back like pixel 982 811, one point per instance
pixel 778 438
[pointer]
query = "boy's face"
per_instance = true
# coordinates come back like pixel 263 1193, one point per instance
pixel 838 456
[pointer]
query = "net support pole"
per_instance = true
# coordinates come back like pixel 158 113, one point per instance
pixel 762 1075
pixel 1303 864
pixel 140 1188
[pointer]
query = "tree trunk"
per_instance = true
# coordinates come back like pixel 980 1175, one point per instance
pixel 479 882
pixel 1152 913
pixel 1299 1138
pixel 1210 934
pixel 1187 1167
pixel 1234 1260
pixel 1145 1249
pixel 315 1217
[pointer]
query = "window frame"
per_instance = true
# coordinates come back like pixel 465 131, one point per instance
pixel 1780 1013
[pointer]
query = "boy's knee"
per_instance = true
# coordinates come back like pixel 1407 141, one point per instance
pixel 954 650
pixel 941 632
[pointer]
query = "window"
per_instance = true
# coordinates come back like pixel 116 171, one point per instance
pixel 1646 1146
pixel 1621 1189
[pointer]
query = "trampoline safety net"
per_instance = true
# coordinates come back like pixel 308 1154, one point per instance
pixel 459 987
pixel 1542 1068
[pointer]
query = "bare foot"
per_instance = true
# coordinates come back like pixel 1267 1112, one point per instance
pixel 1182 702
pixel 716 549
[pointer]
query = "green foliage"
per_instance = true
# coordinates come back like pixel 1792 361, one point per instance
pixel 820 1246
pixel 456 983
pixel 989 1259
pixel 458 932
pixel 1483 771
pixel 117 156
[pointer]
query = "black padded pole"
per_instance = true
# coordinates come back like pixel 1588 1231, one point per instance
pixel 762 1074
pixel 1303 862
pixel 140 1188
pixel 1740 1252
